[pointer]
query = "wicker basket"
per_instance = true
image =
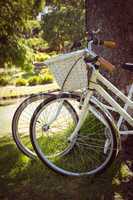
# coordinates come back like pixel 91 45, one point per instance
pixel 69 70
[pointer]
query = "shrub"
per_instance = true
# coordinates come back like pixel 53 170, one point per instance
pixel 36 42
pixel 53 53
pixel 46 79
pixel 33 80
pixel 41 57
pixel 21 82
pixel 45 71
pixel 4 81
pixel 27 75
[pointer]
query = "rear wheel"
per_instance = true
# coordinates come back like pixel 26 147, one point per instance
pixel 21 122
pixel 91 152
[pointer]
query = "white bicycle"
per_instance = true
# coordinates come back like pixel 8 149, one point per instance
pixel 87 143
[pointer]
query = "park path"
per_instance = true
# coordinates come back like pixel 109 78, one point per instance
pixel 7 111
pixel 6 115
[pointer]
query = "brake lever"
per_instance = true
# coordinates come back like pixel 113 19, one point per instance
pixel 91 35
pixel 96 32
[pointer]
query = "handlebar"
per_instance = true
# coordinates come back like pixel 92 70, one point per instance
pixel 106 64
pixel 100 61
pixel 106 43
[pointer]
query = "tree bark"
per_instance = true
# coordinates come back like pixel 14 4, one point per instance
pixel 115 19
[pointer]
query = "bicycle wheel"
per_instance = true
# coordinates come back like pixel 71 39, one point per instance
pixel 21 121
pixel 91 152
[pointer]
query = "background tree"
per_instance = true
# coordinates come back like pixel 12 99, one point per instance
pixel 115 19
pixel 64 24
pixel 13 18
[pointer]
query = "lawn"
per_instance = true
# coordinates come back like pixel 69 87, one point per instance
pixel 25 179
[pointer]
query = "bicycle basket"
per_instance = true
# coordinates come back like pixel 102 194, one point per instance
pixel 69 70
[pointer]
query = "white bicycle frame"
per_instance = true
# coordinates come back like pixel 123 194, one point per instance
pixel 115 106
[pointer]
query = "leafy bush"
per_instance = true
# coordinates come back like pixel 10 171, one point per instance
pixel 41 57
pixel 27 75
pixel 36 42
pixel 46 79
pixel 32 28
pixel 33 80
pixel 4 81
pixel 53 53
pixel 27 57
pixel 44 72
pixel 21 82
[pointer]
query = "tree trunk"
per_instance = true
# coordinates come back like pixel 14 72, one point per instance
pixel 115 19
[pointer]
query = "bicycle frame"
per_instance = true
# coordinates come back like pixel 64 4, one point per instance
pixel 115 106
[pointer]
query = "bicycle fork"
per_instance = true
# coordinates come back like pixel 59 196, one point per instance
pixel 54 116
pixel 85 106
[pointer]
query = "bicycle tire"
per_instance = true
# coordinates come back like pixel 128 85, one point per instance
pixel 50 163
pixel 16 118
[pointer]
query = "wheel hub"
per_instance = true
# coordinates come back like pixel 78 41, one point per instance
pixel 45 127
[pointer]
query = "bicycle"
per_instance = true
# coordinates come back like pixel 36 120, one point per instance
pixel 77 152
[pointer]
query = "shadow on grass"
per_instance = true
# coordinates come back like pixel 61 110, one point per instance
pixel 25 179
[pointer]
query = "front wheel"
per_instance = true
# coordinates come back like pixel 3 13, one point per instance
pixel 91 152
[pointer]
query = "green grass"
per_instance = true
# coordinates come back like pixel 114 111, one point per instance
pixel 24 179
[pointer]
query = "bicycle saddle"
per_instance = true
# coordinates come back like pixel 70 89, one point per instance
pixel 128 66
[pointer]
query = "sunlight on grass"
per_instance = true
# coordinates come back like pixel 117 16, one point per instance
pixel 20 175
pixel 84 155
pixel 124 172
pixel 118 196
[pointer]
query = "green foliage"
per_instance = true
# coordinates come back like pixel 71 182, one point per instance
pixel 26 56
pixel 41 57
pixel 64 24
pixel 46 79
pixel 45 76
pixel 33 80
pixel 4 81
pixel 45 71
pixel 36 42
pixel 28 74
pixel 13 18
pixel 21 82
pixel 32 28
